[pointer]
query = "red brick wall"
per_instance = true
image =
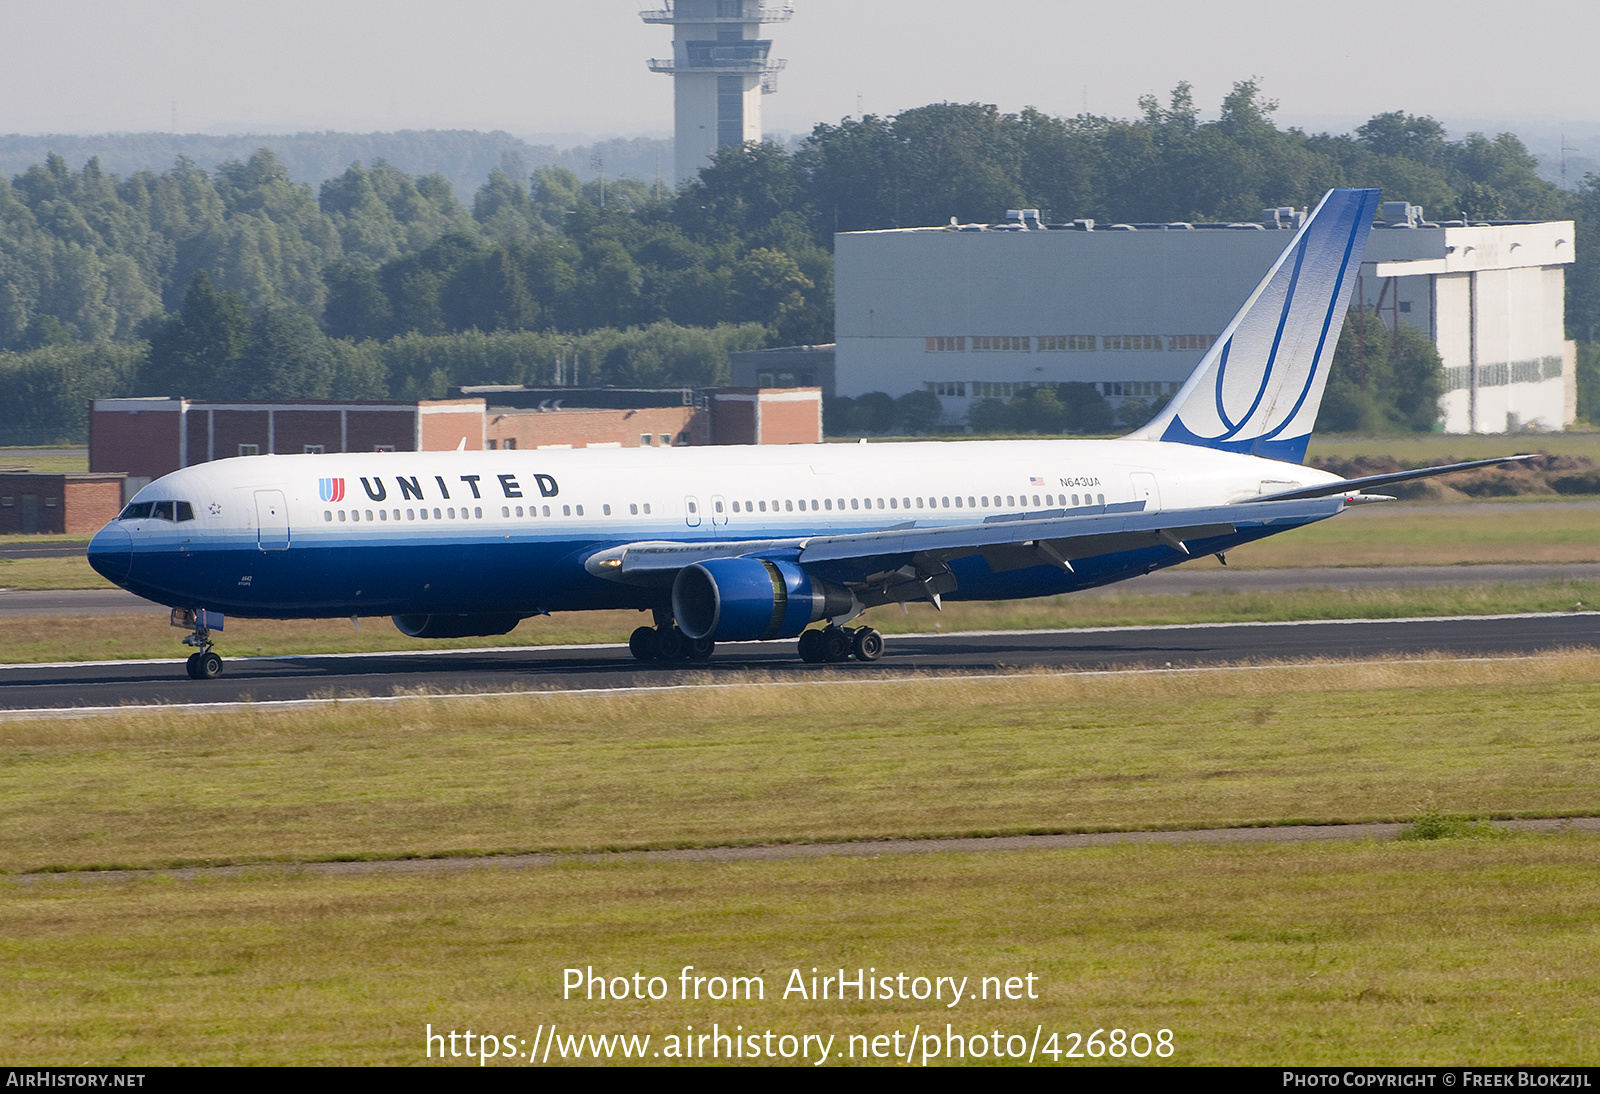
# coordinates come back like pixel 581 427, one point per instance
pixel 294 429
pixel 233 428
pixel 581 428
pixel 733 417
pixel 791 421
pixel 442 430
pixel 145 443
pixel 371 428
pixel 90 504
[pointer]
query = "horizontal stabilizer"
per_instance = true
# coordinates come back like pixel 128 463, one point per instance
pixel 1370 482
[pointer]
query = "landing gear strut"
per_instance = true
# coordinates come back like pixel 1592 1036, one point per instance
pixel 203 664
pixel 834 644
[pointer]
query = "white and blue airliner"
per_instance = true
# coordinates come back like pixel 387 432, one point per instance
pixel 727 544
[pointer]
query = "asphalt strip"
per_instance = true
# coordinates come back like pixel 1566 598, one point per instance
pixel 928 636
pixel 1297 833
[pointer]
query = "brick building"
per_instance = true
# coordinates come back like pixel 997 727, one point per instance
pixel 648 417
pixel 147 438
pixel 60 504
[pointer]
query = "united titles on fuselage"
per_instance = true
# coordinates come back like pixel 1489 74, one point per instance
pixel 412 487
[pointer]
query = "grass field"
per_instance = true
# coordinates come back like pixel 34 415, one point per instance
pixel 1478 951
pixel 54 461
pixel 918 757
pixel 1447 953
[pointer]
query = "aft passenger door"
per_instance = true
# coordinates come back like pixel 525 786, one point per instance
pixel 691 512
pixel 272 521
pixel 1146 490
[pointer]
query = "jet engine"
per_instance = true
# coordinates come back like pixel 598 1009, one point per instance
pixel 455 626
pixel 742 599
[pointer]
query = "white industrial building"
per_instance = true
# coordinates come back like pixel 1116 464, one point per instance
pixel 973 312
pixel 720 68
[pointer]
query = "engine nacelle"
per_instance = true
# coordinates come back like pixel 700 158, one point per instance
pixel 746 599
pixel 455 626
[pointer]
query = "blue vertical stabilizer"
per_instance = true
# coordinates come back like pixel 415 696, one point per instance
pixel 1258 390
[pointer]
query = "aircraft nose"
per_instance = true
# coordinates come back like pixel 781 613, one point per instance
pixel 111 553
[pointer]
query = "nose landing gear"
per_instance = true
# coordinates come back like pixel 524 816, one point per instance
pixel 203 664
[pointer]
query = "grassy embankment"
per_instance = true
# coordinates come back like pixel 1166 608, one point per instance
pixel 1456 951
pixel 752 763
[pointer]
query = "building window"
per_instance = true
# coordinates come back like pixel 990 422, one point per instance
pixel 1138 389
pixel 1138 342
pixel 509 443
pixel 314 449
pixel 947 345
pixel 1003 344
pixel 490 446
pixel 383 448
pixel 1065 343
pixel 953 389
pixel 646 440
pixel 1191 341
pixel 666 440
pixel 249 450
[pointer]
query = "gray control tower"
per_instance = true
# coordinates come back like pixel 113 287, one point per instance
pixel 720 70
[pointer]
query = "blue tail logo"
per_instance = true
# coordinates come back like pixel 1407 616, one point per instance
pixel 1259 388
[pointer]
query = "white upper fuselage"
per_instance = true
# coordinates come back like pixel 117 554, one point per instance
pixel 700 493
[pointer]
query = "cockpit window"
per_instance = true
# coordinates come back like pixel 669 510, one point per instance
pixel 158 510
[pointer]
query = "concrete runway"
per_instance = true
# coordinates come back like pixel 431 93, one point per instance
pixel 607 667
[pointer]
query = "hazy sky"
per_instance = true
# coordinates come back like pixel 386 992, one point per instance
pixel 578 66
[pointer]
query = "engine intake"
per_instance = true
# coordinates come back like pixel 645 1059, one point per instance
pixel 455 626
pixel 746 599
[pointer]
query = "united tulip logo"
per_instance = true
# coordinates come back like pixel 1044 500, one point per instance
pixel 330 489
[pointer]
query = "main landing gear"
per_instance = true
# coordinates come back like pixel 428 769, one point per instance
pixel 665 642
pixel 833 644
pixel 203 664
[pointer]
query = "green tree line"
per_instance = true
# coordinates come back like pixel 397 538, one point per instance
pixel 382 283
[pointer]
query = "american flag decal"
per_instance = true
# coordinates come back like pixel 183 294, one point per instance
pixel 330 489
pixel 1035 480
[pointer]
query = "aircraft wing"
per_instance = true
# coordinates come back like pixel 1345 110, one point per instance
pixel 910 563
pixel 1374 481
